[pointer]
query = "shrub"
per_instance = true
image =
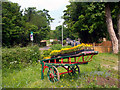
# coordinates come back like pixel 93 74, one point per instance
pixel 68 46
pixel 56 42
pixel 45 53
pixel 56 47
pixel 19 57
pixel 64 42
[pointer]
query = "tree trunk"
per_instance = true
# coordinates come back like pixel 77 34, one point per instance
pixel 118 25
pixel 110 28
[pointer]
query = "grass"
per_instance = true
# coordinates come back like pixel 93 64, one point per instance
pixel 30 77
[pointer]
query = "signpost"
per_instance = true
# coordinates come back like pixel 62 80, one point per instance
pixel 31 37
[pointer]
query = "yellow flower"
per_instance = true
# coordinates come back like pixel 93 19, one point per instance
pixel 61 85
pixel 65 48
pixel 55 51
pixel 47 57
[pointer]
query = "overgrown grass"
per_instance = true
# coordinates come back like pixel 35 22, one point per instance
pixel 30 77
pixel 18 57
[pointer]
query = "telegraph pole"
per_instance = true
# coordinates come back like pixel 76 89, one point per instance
pixel 62 34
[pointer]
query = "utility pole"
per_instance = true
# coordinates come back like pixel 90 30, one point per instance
pixel 62 34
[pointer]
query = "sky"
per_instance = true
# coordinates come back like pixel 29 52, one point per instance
pixel 55 7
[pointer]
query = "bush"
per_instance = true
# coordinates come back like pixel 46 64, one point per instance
pixel 56 42
pixel 64 42
pixel 56 47
pixel 19 57
pixel 68 46
pixel 46 53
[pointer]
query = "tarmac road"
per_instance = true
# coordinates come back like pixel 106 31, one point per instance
pixel 44 48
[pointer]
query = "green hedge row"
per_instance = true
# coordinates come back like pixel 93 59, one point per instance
pixel 19 57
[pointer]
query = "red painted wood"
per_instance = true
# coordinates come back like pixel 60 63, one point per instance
pixel 75 59
pixel 87 57
pixel 83 58
pixel 61 60
pixel 70 63
pixel 78 59
pixel 55 60
pixel 90 58
pixel 45 68
pixel 65 72
pixel 69 60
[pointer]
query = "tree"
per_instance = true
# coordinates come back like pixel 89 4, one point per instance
pixel 12 23
pixel 111 29
pixel 83 18
pixel 118 26
pixel 29 13
pixel 17 26
pixel 41 19
pixel 57 33
pixel 88 19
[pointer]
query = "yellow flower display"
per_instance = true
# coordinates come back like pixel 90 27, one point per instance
pixel 47 57
pixel 68 50
pixel 55 52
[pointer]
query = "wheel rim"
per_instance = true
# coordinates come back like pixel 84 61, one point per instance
pixel 75 70
pixel 53 74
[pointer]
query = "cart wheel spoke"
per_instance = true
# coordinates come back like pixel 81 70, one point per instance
pixel 69 69
pixel 55 79
pixel 75 70
pixel 53 74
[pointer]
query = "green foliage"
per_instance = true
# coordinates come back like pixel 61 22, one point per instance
pixel 46 53
pixel 56 42
pixel 56 47
pixel 66 33
pixel 19 57
pixel 29 77
pixel 68 46
pixel 12 23
pixel 59 47
pixel 88 19
pixel 17 26
pixel 64 42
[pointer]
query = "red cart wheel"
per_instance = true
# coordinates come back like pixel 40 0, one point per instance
pixel 53 74
pixel 75 70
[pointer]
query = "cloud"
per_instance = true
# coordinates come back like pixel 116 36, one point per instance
pixel 55 8
pixel 50 5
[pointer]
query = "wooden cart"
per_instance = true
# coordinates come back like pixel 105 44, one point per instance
pixel 70 63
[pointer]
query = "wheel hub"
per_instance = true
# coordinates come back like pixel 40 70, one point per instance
pixel 51 75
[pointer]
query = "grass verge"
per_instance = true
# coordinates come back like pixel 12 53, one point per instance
pixel 93 75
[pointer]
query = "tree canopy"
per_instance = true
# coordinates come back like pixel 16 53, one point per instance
pixel 88 19
pixel 17 26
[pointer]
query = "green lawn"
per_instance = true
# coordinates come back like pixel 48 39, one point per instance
pixel 101 72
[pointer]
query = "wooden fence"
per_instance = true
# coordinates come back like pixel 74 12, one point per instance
pixel 103 49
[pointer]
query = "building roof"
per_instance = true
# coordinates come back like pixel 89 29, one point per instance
pixel 43 40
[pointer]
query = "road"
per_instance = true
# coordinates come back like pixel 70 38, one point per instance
pixel 44 48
